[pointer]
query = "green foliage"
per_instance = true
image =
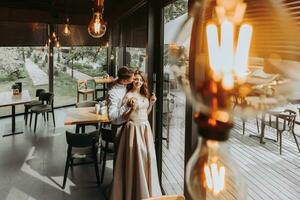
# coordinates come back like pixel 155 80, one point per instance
pixel 64 85
pixel 95 55
pixel 175 10
pixel 87 69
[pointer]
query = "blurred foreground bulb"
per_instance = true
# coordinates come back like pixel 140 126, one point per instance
pixel 232 58
pixel 97 26
pixel 211 174
pixel 240 56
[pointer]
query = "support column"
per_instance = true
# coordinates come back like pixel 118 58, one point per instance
pixel 155 70
pixel 51 55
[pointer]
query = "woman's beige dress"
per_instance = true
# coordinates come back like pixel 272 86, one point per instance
pixel 136 174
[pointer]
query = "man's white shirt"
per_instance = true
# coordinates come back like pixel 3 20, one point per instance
pixel 115 107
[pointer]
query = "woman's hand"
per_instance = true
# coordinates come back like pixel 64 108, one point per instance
pixel 152 99
pixel 131 103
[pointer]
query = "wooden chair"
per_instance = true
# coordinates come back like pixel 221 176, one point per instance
pixel 106 146
pixel 83 105
pixel 82 144
pixel 82 88
pixel 168 106
pixel 167 197
pixel 284 122
pixel 29 105
pixel 47 99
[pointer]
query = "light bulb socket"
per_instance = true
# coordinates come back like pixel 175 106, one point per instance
pixel 218 131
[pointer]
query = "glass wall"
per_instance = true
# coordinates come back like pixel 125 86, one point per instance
pixel 26 65
pixel 76 63
pixel 30 66
pixel 173 107
pixel 136 58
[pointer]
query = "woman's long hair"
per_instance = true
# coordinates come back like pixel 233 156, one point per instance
pixel 144 88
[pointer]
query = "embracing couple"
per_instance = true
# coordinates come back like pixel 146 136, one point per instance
pixel 135 172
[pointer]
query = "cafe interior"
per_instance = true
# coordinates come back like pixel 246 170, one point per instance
pixel 225 123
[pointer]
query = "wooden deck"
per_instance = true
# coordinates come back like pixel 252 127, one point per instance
pixel 267 174
pixel 172 177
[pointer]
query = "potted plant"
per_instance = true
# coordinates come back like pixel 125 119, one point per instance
pixel 15 89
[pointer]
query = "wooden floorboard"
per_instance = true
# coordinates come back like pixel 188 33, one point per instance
pixel 266 173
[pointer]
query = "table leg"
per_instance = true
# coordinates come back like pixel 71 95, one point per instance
pixel 13 123
pixel 262 133
pixel 104 88
pixel 96 95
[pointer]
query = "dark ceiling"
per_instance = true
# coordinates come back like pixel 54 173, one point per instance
pixel 54 11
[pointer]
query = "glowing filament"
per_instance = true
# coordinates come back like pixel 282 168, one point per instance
pixel 223 59
pixel 213 48
pixel 97 26
pixel 66 30
pixel 214 177
pixel 242 50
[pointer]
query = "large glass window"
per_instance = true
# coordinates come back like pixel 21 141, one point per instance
pixel 136 58
pixel 30 65
pixel 26 65
pixel 76 63
pixel 173 107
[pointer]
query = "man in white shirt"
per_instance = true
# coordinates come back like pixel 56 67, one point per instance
pixel 115 100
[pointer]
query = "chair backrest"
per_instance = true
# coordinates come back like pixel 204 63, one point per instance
pixel 38 92
pixel 86 104
pixel 291 118
pixel 107 135
pixel 82 140
pixel 166 84
pixel 81 84
pixel 47 97
pixel 167 197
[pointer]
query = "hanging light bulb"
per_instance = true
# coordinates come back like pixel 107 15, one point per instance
pixel 66 30
pixel 229 40
pixel 210 172
pixel 97 26
pixel 57 43
pixel 46 45
pixel 53 35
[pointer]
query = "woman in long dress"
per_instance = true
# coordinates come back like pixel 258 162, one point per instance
pixel 136 175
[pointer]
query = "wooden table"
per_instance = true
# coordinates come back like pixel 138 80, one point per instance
pixel 81 116
pixel 104 81
pixel 8 99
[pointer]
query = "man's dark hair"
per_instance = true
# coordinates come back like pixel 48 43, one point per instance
pixel 124 73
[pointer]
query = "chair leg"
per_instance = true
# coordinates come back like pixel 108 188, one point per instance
pixel 280 143
pixel 72 162
pixel 244 123
pixel 257 125
pixel 96 165
pixel 35 121
pixel 53 117
pixel 77 129
pixel 67 167
pixel 26 115
pixel 101 154
pixel 296 141
pixel 48 116
pixel 44 117
pixel 30 119
pixel 77 97
pixel 104 161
